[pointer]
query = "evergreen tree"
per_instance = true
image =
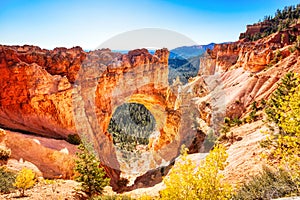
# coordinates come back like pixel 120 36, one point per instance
pixel 90 174
pixel 283 110
pixel 285 88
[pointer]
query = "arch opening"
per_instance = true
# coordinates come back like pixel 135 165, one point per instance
pixel 131 126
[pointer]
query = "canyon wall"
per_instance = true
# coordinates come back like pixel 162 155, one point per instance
pixel 36 89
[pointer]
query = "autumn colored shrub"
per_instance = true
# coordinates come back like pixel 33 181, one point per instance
pixel 25 180
pixel 187 181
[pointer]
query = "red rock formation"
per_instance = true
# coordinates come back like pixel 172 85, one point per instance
pixel 252 56
pixel 248 71
pixel 107 80
pixel 55 93
pixel 255 28
pixel 36 92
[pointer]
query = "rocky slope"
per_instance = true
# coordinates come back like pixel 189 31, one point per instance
pixel 49 158
pixel 250 70
pixel 244 72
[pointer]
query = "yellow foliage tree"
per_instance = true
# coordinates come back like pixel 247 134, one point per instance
pixel 285 145
pixel 25 180
pixel 187 181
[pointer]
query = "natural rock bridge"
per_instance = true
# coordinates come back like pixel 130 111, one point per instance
pixel 108 80
pixel 56 93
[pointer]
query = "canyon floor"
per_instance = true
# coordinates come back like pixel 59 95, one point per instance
pixel 243 155
pixel 59 189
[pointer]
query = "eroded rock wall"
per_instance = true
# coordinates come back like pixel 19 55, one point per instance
pixel 55 93
pixel 249 71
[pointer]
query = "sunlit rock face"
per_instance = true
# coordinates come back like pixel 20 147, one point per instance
pixel 248 71
pixel 253 56
pixel 55 93
pixel 36 89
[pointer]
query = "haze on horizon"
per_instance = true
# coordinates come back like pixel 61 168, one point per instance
pixel 90 23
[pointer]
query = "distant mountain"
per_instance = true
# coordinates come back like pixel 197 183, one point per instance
pixel 183 68
pixel 184 61
pixel 190 51
pixel 183 52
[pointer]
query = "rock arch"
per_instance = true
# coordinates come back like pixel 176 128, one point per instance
pixel 55 93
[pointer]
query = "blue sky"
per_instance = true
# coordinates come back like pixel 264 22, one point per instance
pixel 89 23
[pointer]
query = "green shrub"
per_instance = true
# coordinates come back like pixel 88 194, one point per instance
pixel 232 122
pixel 252 117
pixel 228 123
pixel 4 153
pixel 292 49
pixel 268 185
pixel 74 139
pixel 209 141
pixel 122 182
pixel 90 174
pixel 7 179
pixel 236 121
pixel 225 129
pixel 278 56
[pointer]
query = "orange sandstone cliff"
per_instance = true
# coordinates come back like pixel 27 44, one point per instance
pixel 57 93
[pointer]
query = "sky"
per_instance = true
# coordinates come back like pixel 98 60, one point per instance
pixel 90 23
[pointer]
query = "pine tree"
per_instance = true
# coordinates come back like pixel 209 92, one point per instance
pixel 90 174
pixel 285 88
pixel 284 111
